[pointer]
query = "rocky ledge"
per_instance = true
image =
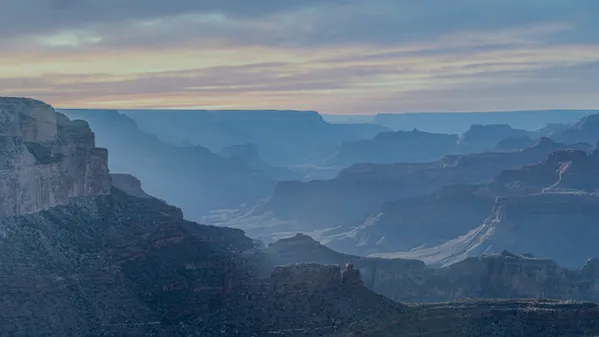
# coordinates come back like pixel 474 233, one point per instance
pixel 45 158
pixel 129 184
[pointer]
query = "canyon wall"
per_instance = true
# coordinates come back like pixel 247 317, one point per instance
pixel 46 159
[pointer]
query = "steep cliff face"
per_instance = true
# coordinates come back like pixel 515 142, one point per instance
pixel 397 279
pixel 129 184
pixel 564 170
pixel 580 173
pixel 591 272
pixel 46 159
pixel 507 275
pixel 563 225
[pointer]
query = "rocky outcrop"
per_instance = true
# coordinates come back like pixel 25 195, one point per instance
pixel 501 275
pixel 129 184
pixel 563 226
pixel 480 138
pixel 398 279
pixel 507 275
pixel 590 272
pixel 45 158
pixel 565 170
pixel 579 173
pixel 586 130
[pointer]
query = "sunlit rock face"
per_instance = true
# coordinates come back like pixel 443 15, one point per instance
pixel 45 158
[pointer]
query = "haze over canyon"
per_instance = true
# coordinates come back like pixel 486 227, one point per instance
pixel 269 168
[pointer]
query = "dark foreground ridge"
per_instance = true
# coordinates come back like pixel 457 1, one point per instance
pixel 120 265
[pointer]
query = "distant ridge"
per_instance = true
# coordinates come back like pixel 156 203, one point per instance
pixel 458 122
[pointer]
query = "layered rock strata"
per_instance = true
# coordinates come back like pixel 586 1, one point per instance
pixel 45 158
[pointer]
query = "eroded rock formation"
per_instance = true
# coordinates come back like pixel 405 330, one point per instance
pixel 480 138
pixel 586 130
pixel 45 158
pixel 128 184
pixel 501 275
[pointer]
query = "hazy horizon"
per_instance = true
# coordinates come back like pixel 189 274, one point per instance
pixel 339 57
pixel 333 114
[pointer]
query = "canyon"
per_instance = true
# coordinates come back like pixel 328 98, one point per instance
pixel 113 260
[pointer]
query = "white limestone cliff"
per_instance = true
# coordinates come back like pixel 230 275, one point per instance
pixel 45 158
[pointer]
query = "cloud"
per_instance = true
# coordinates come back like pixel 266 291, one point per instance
pixel 365 81
pixel 35 16
pixel 335 55
pixel 305 23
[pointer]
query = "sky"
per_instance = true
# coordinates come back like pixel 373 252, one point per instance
pixel 333 56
